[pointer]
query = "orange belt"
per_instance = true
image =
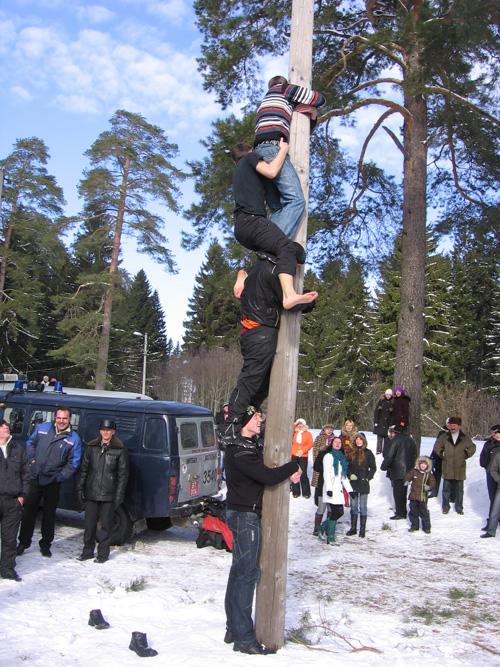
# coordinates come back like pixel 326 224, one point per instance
pixel 248 324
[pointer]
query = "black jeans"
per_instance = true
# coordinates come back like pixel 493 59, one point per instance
pixel 258 233
pixel 244 574
pixel 400 492
pixel 303 484
pixel 453 488
pixel 258 347
pixel 50 495
pixel 10 516
pixel 95 512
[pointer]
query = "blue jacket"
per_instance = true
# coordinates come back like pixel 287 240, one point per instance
pixel 53 456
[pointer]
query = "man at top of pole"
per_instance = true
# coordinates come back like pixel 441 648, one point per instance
pixel 283 193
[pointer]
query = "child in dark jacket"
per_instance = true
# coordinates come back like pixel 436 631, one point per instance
pixel 422 483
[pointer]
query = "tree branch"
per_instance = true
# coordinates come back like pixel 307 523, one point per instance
pixel 364 103
pixel 446 92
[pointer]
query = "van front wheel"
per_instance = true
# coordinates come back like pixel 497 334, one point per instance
pixel 122 527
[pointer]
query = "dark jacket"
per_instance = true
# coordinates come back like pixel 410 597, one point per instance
pixel 247 475
pixel 318 467
pixel 383 416
pixel 14 471
pixel 104 472
pixel 53 456
pixel 490 448
pixel 495 468
pixel 400 455
pixel 401 413
pixel 454 454
pixel 364 471
pixel 419 480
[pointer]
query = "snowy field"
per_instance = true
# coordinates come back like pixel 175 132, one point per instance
pixel 403 599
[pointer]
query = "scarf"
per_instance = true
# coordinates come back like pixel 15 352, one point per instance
pixel 338 457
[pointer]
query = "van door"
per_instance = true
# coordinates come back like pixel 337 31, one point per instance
pixel 198 459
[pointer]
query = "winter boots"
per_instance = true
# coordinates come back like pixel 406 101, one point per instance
pixel 330 531
pixel 97 621
pixel 139 644
pixel 317 523
pixel 362 526
pixel 322 530
pixel 354 525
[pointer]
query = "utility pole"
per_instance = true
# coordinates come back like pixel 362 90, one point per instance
pixel 271 591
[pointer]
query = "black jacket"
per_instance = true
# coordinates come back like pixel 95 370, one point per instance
pixel 383 416
pixel 104 472
pixel 400 455
pixel 490 448
pixel 14 471
pixel 363 471
pixel 247 475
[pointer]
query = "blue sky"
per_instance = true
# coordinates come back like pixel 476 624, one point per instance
pixel 68 65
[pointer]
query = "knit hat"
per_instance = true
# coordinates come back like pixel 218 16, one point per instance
pixel 388 391
pixel 399 389
pixel 249 413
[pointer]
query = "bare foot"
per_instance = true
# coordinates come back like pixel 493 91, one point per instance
pixel 240 283
pixel 293 300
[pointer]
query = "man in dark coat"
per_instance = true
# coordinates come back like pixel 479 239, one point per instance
pixel 454 448
pixel 382 418
pixel 400 455
pixel 54 452
pixel 490 449
pixel 101 487
pixel 246 476
pixel 14 485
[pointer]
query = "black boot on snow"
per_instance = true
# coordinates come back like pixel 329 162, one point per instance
pixel 139 644
pixel 96 620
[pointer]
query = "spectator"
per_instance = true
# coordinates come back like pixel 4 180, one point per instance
pixel 454 448
pixel 422 482
pixel 361 469
pixel 348 430
pixel 302 443
pixel 383 418
pixel 14 485
pixel 494 518
pixel 322 444
pixel 335 483
pixel 101 488
pixel 401 410
pixel 399 458
pixel 490 448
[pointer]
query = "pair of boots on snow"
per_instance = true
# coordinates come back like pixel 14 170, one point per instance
pixel 326 529
pixel 138 643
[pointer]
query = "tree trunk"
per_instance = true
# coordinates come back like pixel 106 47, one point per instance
pixel 102 362
pixel 408 369
pixel 271 592
pixel 8 235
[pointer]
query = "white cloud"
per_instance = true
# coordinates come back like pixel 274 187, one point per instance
pixel 20 94
pixel 94 14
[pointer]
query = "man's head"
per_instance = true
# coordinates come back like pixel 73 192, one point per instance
pixel 107 429
pixel 239 151
pixel 4 430
pixel 63 419
pixel 454 424
pixel 392 431
pixel 251 422
pixel 277 80
pixel 495 432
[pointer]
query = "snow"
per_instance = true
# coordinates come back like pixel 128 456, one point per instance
pixel 389 593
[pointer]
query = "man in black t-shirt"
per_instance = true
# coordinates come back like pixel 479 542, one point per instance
pixel 252 228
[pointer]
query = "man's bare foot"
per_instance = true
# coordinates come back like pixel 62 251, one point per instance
pixel 293 300
pixel 240 283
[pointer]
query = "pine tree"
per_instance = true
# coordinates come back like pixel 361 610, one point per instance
pixel 213 311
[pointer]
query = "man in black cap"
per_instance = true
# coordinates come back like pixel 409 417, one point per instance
pixel 246 476
pixel 101 488
pixel 14 485
pixel 490 448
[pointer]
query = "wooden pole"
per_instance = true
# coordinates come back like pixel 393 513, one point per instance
pixel 271 591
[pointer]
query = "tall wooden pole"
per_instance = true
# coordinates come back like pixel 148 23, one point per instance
pixel 271 591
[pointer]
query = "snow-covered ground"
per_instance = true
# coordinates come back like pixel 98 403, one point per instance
pixel 408 599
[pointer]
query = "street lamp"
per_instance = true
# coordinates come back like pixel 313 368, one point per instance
pixel 144 358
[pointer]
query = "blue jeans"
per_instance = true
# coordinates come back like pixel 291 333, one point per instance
pixel 284 193
pixel 494 515
pixel 244 573
pixel 362 503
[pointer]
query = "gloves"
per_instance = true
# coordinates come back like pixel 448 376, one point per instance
pixel 329 494
pixel 353 478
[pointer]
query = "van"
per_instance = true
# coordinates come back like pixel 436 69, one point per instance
pixel 173 451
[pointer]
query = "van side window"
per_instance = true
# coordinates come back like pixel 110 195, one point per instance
pixel 207 434
pixel 189 436
pixel 40 416
pixel 15 417
pixel 155 435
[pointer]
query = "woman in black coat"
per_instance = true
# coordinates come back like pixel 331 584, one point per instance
pixel 401 410
pixel 360 470
pixel 382 418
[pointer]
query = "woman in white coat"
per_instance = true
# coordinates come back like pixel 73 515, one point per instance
pixel 335 481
